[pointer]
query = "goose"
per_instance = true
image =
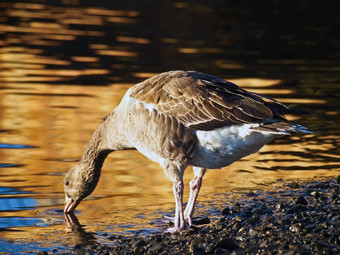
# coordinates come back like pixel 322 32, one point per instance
pixel 181 119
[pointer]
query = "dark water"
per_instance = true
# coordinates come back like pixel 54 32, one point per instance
pixel 65 64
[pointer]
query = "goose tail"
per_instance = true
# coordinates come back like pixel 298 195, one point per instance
pixel 299 128
pixel 279 127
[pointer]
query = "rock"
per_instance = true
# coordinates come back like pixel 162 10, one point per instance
pixel 226 211
pixel 237 226
pixel 138 246
pixel 252 232
pixel 209 248
pixel 297 227
pixel 264 244
pixel 197 246
pixel 238 218
pixel 280 205
pixel 155 249
pixel 220 251
pixel 219 226
pixel 294 209
pixel 255 218
pixel 236 208
pixel 315 194
pixel 228 244
pixel 202 220
pixel 300 200
pixel 294 185
pixel 322 185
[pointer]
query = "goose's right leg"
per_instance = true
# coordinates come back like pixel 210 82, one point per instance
pixel 195 186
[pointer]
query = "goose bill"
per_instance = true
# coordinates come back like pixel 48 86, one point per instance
pixel 70 205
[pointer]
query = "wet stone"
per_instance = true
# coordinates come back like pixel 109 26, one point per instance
pixel 219 226
pixel 226 211
pixel 237 226
pixel 238 218
pixel 197 246
pixel 228 244
pixel 264 244
pixel 315 194
pixel 279 206
pixel 294 185
pixel 296 227
pixel 300 200
pixel 202 220
pixel 138 246
pixel 154 248
pixel 322 185
pixel 220 251
pixel 236 208
pixel 294 209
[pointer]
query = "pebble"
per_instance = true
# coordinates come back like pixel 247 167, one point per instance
pixel 300 200
pixel 138 247
pixel 197 246
pixel 228 244
pixel 294 185
pixel 226 211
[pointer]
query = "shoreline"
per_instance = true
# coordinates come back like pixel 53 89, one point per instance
pixel 291 218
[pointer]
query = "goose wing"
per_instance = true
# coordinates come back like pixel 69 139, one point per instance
pixel 205 102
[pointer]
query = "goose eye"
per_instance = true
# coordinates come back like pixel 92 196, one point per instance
pixel 67 183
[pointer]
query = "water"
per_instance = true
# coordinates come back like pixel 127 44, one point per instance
pixel 66 64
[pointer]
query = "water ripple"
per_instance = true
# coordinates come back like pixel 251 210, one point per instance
pixel 15 146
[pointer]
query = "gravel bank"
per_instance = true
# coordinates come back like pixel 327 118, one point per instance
pixel 292 218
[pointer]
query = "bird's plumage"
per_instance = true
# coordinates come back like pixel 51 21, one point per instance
pixel 205 102
pixel 182 118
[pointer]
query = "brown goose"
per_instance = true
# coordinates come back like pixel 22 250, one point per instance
pixel 177 119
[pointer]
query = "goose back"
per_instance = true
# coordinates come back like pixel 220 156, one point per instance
pixel 205 102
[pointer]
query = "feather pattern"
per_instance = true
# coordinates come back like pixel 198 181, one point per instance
pixel 205 102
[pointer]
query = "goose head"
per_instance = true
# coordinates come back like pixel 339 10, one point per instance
pixel 78 184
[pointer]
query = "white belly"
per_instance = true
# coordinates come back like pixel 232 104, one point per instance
pixel 223 146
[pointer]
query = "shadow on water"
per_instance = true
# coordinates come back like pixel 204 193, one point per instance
pixel 66 64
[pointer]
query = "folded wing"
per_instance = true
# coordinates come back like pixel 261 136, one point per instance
pixel 205 102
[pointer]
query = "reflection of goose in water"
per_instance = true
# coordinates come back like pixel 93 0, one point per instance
pixel 76 234
pixel 179 119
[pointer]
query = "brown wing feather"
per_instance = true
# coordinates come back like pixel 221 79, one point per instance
pixel 206 102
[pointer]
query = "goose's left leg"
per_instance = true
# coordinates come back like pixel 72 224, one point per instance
pixel 195 186
pixel 179 219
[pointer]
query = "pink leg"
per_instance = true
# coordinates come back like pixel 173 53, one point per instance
pixel 195 186
pixel 179 218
